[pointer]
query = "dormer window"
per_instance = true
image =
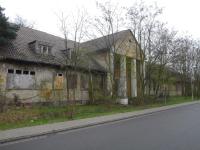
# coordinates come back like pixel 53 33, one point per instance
pixel 41 47
pixel 67 52
pixel 44 49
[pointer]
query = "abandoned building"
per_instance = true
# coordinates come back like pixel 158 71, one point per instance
pixel 33 67
pixel 170 86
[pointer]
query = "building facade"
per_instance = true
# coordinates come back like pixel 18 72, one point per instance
pixel 33 67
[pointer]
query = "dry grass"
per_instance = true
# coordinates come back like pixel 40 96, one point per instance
pixel 21 117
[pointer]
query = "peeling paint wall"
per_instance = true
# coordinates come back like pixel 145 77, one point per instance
pixel 15 81
pixel 29 87
pixel 3 77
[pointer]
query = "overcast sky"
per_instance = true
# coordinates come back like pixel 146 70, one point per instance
pixel 182 15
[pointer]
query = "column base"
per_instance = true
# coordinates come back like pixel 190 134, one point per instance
pixel 123 101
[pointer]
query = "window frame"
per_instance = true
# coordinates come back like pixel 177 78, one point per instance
pixel 59 74
pixel 84 83
pixel 72 81
pixel 25 72
pixel 13 71
pixel 44 49
pixel 32 73
pixel 18 71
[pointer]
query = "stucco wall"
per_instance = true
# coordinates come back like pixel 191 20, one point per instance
pixel 32 92
pixel 3 76
pixel 128 46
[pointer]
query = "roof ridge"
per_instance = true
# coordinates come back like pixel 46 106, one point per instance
pixel 44 32
pixel 125 30
pixel 37 30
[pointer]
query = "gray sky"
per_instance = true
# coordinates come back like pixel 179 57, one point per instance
pixel 181 15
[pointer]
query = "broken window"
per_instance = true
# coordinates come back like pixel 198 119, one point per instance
pixel 11 71
pixel 25 72
pixel 18 71
pixel 32 73
pixel 59 74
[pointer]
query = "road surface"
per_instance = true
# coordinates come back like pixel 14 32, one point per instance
pixel 174 129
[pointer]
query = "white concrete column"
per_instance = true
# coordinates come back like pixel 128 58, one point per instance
pixel 122 88
pixel 133 78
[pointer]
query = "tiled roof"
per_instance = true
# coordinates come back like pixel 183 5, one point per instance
pixel 19 48
pixel 105 42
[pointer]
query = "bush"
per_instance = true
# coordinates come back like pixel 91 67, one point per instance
pixel 149 99
pixel 101 98
pixel 14 116
pixel 16 100
pixel 50 115
pixel 146 100
pixel 133 101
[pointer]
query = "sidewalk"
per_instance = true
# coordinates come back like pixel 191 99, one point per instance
pixel 34 131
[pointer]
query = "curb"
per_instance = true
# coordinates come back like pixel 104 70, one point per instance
pixel 90 123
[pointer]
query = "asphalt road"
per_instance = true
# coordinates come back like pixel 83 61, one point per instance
pixel 175 129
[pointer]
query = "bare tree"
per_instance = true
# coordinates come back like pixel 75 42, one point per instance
pixel 143 19
pixel 72 54
pixel 181 61
pixel 163 46
pixel 196 54
pixel 21 22
pixel 107 24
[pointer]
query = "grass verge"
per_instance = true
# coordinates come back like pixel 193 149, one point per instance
pixel 21 117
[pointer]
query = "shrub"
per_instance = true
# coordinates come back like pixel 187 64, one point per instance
pixel 101 98
pixel 149 99
pixel 133 101
pixel 14 116
pixel 137 100
pixel 70 109
pixel 16 100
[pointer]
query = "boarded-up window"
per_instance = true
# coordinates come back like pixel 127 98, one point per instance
pixel 20 79
pixel 98 82
pixel 59 82
pixel 11 71
pixel 84 81
pixel 72 81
